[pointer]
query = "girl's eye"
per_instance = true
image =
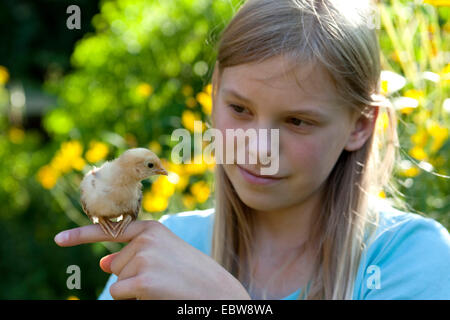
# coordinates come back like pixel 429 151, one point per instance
pixel 297 122
pixel 237 108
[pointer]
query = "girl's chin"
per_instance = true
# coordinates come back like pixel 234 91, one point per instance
pixel 259 199
pixel 261 204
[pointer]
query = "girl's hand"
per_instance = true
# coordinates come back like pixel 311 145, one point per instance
pixel 156 264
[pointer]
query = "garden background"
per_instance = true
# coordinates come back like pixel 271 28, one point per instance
pixel 134 72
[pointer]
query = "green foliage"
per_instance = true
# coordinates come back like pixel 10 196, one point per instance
pixel 159 43
pixel 415 41
pixel 129 85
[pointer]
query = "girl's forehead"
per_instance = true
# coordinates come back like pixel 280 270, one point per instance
pixel 281 77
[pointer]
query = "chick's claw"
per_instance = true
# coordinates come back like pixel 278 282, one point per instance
pixel 114 229
pixel 107 226
pixel 122 224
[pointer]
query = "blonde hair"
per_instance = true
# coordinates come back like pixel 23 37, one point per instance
pixel 342 40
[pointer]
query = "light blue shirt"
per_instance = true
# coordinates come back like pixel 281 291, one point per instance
pixel 409 258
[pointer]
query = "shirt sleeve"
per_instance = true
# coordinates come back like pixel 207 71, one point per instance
pixel 409 261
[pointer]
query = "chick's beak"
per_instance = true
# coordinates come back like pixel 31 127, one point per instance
pixel 161 171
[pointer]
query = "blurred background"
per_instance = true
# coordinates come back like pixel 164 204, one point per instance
pixel 135 71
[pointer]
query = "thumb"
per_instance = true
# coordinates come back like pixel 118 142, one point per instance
pixel 105 262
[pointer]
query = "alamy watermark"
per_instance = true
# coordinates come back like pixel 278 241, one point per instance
pixel 374 280
pixel 74 280
pixel 373 21
pixel 74 20
pixel 236 149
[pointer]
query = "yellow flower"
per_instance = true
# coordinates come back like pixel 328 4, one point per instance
pixel 418 153
pixel 173 167
pixel 4 75
pixel 78 163
pixel 60 164
pixel 208 89
pixel 144 90
pixel 16 135
pixel 72 148
pixel 154 203
pixel 68 157
pixel 73 298
pixel 382 123
pixel 200 190
pixel 206 102
pixel 446 70
pixel 420 138
pixel 187 119
pixel 438 3
pixel 47 176
pixel 163 187
pixel 439 134
pixel 97 151
pixel 421 116
pixel 445 73
pixel 415 94
pixel 436 130
pixel 382 194
pixel 188 201
pixel 197 166
pixel 155 147
pixel 395 56
pixel 407 110
pixel 410 172
pixel 182 183
pixel 384 86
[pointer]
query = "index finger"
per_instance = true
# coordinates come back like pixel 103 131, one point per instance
pixel 93 233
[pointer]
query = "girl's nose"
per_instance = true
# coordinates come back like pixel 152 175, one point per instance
pixel 258 148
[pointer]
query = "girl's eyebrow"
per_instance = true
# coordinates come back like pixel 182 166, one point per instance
pixel 308 112
pixel 237 95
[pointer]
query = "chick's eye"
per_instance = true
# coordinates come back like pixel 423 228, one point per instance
pixel 150 165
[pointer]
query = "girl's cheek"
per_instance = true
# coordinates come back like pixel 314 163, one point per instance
pixel 304 154
pixel 223 122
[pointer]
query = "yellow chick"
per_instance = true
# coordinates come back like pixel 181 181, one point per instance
pixel 114 191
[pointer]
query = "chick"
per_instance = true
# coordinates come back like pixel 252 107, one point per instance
pixel 115 190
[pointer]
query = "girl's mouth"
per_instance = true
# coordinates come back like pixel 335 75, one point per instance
pixel 256 178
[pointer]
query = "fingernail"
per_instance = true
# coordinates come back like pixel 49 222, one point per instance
pixel 61 237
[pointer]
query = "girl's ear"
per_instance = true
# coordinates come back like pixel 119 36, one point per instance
pixel 363 127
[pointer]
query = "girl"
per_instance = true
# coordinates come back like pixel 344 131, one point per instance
pixel 310 69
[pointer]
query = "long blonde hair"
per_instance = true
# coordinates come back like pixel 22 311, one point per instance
pixel 342 40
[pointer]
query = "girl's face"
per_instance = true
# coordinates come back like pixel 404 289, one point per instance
pixel 313 129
